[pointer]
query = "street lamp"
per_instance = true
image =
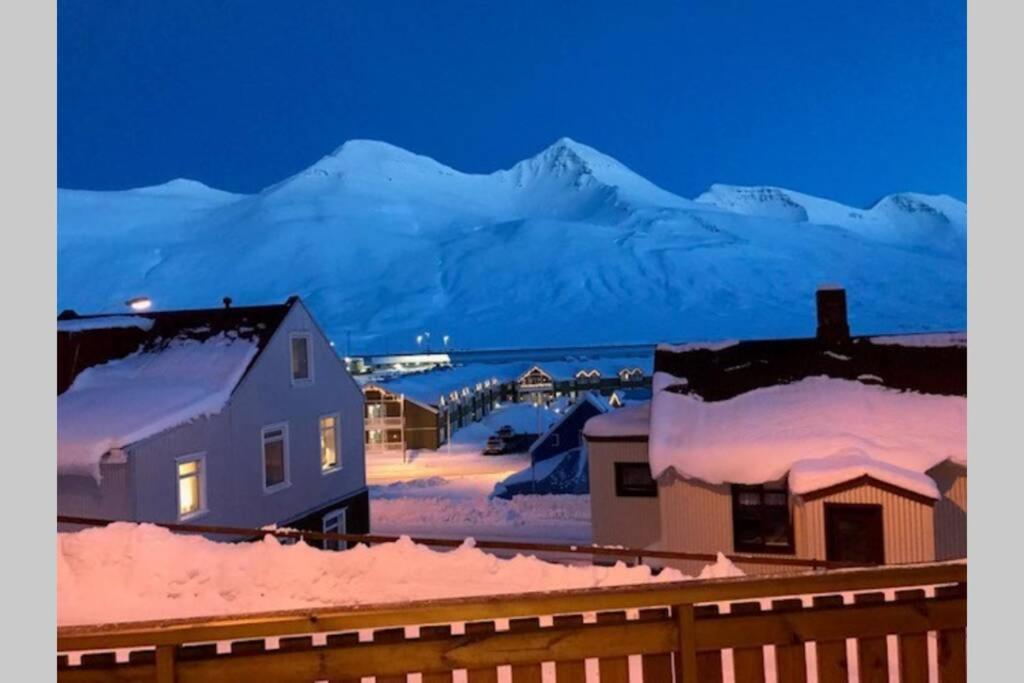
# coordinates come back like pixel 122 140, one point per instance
pixel 139 303
pixel 446 338
pixel 419 340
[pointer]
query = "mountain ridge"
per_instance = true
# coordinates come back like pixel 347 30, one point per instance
pixel 386 243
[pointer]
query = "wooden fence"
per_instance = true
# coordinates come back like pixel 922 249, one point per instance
pixel 792 626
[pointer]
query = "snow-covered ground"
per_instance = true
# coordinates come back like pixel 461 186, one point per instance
pixel 130 572
pixel 446 493
pixel 565 248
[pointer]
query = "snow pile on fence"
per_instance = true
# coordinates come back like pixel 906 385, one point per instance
pixel 128 572
pixel 118 403
pixel 760 435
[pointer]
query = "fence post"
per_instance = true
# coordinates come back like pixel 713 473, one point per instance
pixel 165 656
pixel 686 662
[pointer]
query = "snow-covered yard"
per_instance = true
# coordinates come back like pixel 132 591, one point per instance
pixel 446 493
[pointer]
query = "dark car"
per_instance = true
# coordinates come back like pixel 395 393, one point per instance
pixel 495 446
pixel 505 432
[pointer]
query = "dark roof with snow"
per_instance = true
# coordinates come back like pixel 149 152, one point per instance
pixel 934 363
pixel 84 341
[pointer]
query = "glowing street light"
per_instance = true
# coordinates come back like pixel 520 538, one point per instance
pixel 445 338
pixel 419 340
pixel 140 303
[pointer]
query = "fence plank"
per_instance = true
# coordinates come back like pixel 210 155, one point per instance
pixel 436 633
pixel 913 647
pixel 952 642
pixel 525 673
pixel 487 674
pixel 872 651
pixel 386 636
pixel 613 669
pixel 709 663
pixel 165 664
pixel 686 653
pixel 748 662
pixel 657 668
pixel 832 664
pixel 340 640
pixel 790 660
pixel 570 671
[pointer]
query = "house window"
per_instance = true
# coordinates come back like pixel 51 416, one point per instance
pixel 329 443
pixel 335 522
pixel 633 479
pixel 275 457
pixel 191 486
pixel 760 519
pixel 302 362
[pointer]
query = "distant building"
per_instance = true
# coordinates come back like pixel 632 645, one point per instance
pixel 234 416
pixel 831 447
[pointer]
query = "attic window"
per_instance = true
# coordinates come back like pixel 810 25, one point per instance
pixel 191 486
pixel 760 519
pixel 302 365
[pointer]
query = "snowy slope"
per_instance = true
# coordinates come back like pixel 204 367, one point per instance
pixel 567 247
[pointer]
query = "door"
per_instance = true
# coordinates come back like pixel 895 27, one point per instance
pixel 334 522
pixel 854 533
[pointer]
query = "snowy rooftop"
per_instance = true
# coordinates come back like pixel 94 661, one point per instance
pixel 106 322
pixel 129 399
pixel 629 420
pixel 935 339
pixel 820 430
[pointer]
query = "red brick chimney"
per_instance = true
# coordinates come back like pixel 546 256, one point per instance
pixel 832 324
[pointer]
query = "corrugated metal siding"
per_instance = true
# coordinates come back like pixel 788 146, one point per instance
pixel 628 521
pixel 908 525
pixel 951 511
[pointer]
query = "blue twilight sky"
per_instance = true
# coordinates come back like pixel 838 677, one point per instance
pixel 844 99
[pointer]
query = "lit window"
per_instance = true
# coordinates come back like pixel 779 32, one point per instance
pixel 190 487
pixel 302 370
pixel 329 443
pixel 275 457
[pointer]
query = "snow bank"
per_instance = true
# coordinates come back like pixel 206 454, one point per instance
pixel 128 572
pixel 630 420
pixel 812 475
pixel 118 403
pixel 104 323
pixel 760 435
pixel 919 340
pixel 698 346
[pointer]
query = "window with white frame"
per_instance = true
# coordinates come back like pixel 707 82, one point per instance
pixel 302 358
pixel 335 522
pixel 191 486
pixel 275 456
pixel 329 443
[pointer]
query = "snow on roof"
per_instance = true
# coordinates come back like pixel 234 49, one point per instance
pixel 589 397
pixel 698 346
pixel 629 420
pixel 760 435
pixel 813 475
pixel 919 340
pixel 104 323
pixel 121 402
pixel 129 572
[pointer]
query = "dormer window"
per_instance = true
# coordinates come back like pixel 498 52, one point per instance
pixel 302 358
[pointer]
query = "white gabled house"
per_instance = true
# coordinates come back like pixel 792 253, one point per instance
pixel 234 416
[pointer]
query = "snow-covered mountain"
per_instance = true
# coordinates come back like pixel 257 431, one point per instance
pixel 568 247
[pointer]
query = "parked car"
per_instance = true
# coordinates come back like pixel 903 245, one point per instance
pixel 495 446
pixel 505 432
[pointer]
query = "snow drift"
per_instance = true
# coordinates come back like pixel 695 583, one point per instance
pixel 568 247
pixel 129 572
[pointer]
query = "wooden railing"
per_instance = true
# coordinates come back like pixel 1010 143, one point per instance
pixel 690 631
pixel 549 549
